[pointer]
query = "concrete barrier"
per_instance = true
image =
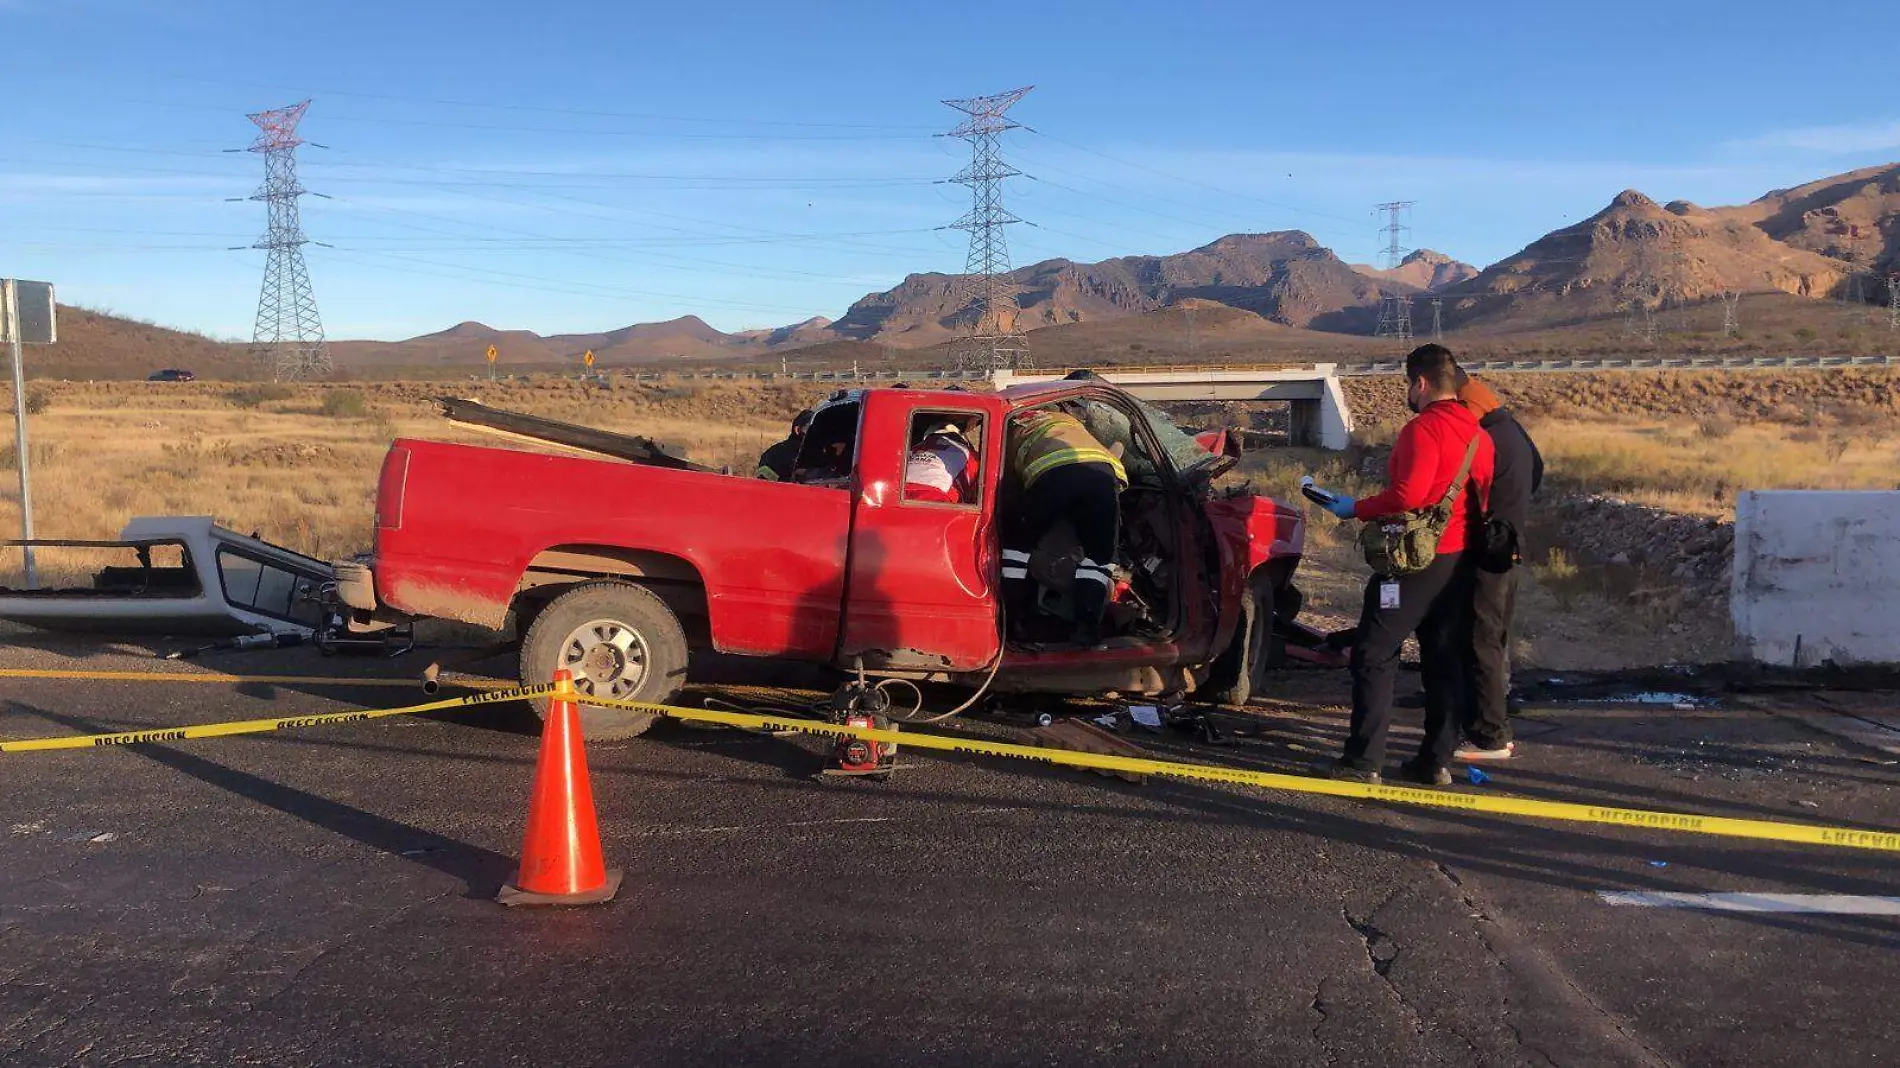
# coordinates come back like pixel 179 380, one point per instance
pixel 1817 577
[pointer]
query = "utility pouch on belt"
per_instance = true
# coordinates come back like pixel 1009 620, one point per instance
pixel 1407 543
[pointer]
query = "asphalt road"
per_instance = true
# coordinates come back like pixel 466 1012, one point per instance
pixel 323 897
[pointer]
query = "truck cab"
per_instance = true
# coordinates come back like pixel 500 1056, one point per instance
pixel 617 570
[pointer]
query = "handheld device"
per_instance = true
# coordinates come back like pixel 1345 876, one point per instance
pixel 1312 492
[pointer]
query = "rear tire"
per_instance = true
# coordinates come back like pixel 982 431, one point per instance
pixel 619 641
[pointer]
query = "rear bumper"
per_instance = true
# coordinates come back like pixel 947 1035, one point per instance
pixel 362 612
pixel 356 586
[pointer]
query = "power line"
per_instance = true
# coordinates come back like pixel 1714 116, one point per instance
pixel 1190 181
pixel 579 112
pixel 516 280
pixel 288 335
pixel 509 128
pixel 993 339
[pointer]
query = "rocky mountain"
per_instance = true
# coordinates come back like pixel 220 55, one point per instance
pixel 1636 249
pixel 1423 269
pixel 1791 243
pixel 687 337
pixel 1823 216
pixel 1286 277
pixel 813 331
pixel 95 344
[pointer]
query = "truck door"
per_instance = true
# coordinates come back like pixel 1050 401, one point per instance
pixel 919 587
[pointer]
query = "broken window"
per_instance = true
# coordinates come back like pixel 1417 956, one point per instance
pixel 266 588
pixel 944 461
pixel 830 452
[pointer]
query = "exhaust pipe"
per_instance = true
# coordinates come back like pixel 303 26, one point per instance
pixel 432 675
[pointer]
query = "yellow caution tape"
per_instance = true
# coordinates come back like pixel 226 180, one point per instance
pixel 227 679
pixel 1810 834
pixel 264 726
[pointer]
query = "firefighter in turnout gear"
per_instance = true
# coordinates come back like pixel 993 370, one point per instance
pixel 1064 473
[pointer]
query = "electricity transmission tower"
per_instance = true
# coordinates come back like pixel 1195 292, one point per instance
pixel 1893 301
pixel 1395 312
pixel 1438 319
pixel 1639 321
pixel 992 340
pixel 1854 292
pixel 288 337
pixel 1731 321
pixel 1394 231
pixel 1395 318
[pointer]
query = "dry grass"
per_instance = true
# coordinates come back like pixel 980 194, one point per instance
pixel 270 459
pixel 299 465
pixel 1682 467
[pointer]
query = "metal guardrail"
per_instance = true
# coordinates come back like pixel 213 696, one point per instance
pixel 794 376
pixel 1344 370
pixel 1642 363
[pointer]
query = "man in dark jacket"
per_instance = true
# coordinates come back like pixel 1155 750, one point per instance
pixel 1520 469
pixel 775 463
pixel 1434 603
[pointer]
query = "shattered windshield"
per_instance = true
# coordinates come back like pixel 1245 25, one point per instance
pixel 1109 424
pixel 1182 449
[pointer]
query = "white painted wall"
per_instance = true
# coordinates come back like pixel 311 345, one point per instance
pixel 1817 577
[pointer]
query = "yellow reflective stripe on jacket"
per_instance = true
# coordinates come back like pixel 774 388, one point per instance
pixel 1053 440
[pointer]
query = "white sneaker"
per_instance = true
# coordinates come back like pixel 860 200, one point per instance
pixel 1470 753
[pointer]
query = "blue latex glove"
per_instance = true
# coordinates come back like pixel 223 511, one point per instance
pixel 1342 507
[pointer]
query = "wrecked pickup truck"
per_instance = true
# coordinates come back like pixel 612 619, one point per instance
pixel 618 569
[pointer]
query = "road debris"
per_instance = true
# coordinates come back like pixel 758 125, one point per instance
pixel 1078 736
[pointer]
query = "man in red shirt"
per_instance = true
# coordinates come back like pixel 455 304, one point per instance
pixel 1434 603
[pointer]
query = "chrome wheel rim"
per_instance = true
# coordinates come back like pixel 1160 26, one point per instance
pixel 607 659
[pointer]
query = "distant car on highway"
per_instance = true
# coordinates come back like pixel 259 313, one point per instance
pixel 171 374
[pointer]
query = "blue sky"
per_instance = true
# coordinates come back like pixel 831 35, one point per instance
pixel 578 166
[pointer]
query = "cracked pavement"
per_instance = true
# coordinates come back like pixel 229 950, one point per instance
pixel 323 897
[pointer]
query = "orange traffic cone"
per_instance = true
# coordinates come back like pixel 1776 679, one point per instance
pixel 560 854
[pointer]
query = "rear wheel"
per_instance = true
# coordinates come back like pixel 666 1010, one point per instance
pixel 619 641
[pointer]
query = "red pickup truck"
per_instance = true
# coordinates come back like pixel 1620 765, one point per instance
pixel 619 570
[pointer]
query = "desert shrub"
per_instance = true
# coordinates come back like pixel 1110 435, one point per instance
pixel 1804 333
pixel 345 404
pixel 1807 435
pixel 37 401
pixel 252 396
pixel 1560 574
pixel 1715 427
pixel 40 453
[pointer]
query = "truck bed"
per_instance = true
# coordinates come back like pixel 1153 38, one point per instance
pixel 459 526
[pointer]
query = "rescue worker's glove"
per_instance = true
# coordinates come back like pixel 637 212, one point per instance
pixel 1343 507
